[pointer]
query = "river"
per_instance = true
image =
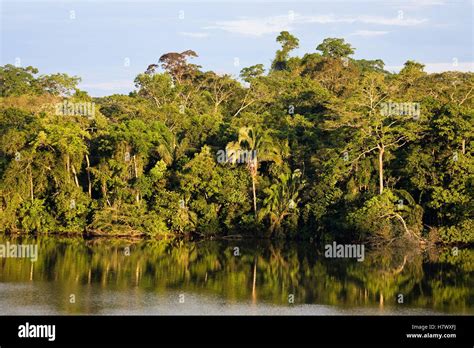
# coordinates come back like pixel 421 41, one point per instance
pixel 230 277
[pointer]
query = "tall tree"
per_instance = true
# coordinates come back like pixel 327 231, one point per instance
pixel 375 123
pixel 288 43
pixel 335 48
pixel 257 145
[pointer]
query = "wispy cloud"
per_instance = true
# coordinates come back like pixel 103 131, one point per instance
pixel 254 26
pixel 194 35
pixel 274 24
pixel 416 4
pixel 369 33
pixel 395 21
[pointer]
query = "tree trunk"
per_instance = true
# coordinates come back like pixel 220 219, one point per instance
pixel 381 151
pixel 464 146
pixel 31 184
pixel 75 175
pixel 89 185
pixel 137 197
pixel 68 169
pixel 103 188
pixel 254 197
pixel 135 166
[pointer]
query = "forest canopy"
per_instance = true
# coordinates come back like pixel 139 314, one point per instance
pixel 318 147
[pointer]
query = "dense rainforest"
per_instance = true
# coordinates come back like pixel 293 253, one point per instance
pixel 317 147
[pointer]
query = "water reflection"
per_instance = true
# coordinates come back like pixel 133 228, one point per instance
pixel 214 277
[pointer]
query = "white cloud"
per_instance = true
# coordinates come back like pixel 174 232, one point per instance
pixel 369 33
pixel 275 24
pixel 195 35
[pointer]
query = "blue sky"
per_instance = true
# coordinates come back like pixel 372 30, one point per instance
pixel 107 43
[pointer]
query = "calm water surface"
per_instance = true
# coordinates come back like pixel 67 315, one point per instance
pixel 103 276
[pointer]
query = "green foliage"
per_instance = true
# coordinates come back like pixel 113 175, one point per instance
pixel 281 202
pixel 288 43
pixel 386 216
pixel 252 72
pixel 317 134
pixel 128 220
pixel 16 81
pixel 461 233
pixel 335 48
pixel 33 217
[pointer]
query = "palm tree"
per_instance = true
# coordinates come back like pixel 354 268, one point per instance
pixel 253 146
pixel 282 198
pixel 169 147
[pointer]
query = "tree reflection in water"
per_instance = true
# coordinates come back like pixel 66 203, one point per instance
pixel 264 272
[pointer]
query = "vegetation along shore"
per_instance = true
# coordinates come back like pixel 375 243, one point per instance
pixel 322 147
